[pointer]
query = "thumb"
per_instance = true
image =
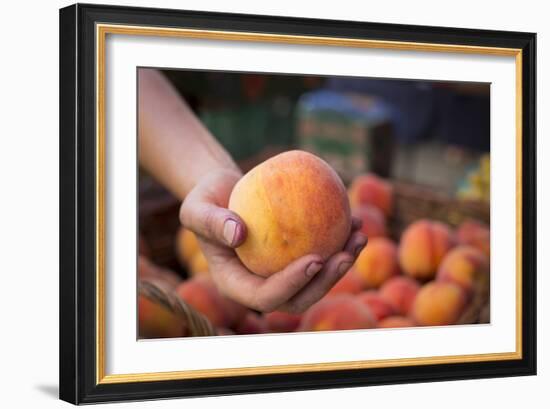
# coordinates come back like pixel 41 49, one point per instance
pixel 212 222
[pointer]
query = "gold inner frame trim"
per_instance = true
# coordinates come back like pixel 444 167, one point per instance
pixel 101 32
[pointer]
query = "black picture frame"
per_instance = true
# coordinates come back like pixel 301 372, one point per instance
pixel 78 368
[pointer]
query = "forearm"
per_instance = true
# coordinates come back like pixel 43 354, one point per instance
pixel 174 146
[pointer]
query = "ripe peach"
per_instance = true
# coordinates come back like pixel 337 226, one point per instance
pixel 466 266
pixel 423 245
pixel 396 321
pixel 379 307
pixel 400 293
pixel 374 222
pixel 187 245
pixel 252 324
pixel 438 303
pixel 156 321
pixel 293 204
pixel 476 234
pixel 350 283
pixel 198 265
pixel 337 313
pixel 377 262
pixel 372 190
pixel 201 294
pixel 278 321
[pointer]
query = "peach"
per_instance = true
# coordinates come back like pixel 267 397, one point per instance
pixel 187 245
pixel 201 294
pixel 372 190
pixel 374 222
pixel 476 234
pixel 379 307
pixel 438 303
pixel 400 293
pixel 337 313
pixel 198 265
pixel 396 321
pixel 157 321
pixel 350 283
pixel 252 324
pixel 279 321
pixel 293 204
pixel 377 262
pixel 423 245
pixel 466 266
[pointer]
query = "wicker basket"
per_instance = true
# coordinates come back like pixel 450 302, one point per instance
pixel 197 324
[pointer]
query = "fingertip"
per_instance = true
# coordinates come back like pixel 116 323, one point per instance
pixel 234 231
pixel 356 223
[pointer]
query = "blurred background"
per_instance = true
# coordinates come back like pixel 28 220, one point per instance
pixel 428 140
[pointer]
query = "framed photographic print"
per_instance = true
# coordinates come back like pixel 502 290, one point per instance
pixel 258 203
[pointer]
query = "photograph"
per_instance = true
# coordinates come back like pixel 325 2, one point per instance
pixel 256 204
pixel 278 203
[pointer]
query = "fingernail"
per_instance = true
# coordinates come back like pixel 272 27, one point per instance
pixel 344 267
pixel 313 268
pixel 230 231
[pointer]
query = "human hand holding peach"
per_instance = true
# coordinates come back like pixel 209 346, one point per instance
pixel 293 288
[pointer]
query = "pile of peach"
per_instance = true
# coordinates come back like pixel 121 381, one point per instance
pixel 428 278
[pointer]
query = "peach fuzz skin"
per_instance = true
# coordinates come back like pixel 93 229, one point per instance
pixel 423 245
pixel 438 303
pixel 201 294
pixel 466 266
pixel 339 312
pixel 293 204
pixel 373 220
pixel 400 293
pixel 156 321
pixel 379 307
pixel 279 321
pixel 350 283
pixel 377 262
pixel 476 234
pixel 396 321
pixel 187 245
pixel 372 190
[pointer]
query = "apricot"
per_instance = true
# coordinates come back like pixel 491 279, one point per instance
pixel 423 245
pixel 293 204
pixel 279 321
pixel 187 245
pixel 350 283
pixel 400 293
pixel 374 222
pixel 372 190
pixel 201 294
pixel 338 312
pixel 379 307
pixel 377 262
pixel 252 324
pixel 438 303
pixel 466 266
pixel 396 321
pixel 157 321
pixel 475 234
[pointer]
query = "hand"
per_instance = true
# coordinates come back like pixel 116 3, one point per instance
pixel 219 231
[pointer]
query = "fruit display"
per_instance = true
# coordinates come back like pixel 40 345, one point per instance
pixel 427 272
